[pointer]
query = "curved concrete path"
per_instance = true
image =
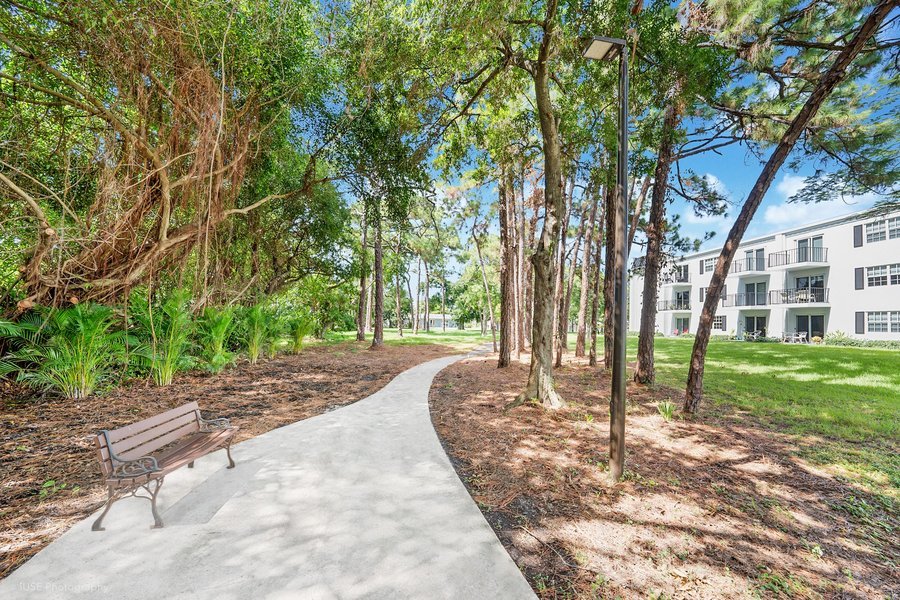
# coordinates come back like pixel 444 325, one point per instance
pixel 360 502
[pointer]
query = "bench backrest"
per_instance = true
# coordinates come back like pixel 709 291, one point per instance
pixel 147 436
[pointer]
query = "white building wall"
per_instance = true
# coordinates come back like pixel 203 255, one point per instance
pixel 820 286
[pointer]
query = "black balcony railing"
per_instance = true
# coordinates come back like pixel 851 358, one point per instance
pixel 814 254
pixel 757 299
pixel 676 277
pixel 673 305
pixel 798 296
pixel 748 264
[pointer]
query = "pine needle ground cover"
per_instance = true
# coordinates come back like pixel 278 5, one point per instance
pixel 762 496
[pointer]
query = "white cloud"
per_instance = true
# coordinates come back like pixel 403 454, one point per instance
pixel 784 214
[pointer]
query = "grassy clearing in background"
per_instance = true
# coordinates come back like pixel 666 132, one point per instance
pixel 455 338
pixel 844 402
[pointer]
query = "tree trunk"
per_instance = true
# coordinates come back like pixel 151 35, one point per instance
pixel 361 310
pixel 585 276
pixel 559 292
pixel 529 272
pixel 563 317
pixel 378 335
pixel 427 318
pixel 397 297
pixel 506 274
pixel 369 295
pixel 595 288
pixel 412 317
pixel 443 298
pixel 609 291
pixel 487 289
pixel 636 215
pixel 824 87
pixel 540 378
pixel 415 326
pixel 520 270
pixel 644 372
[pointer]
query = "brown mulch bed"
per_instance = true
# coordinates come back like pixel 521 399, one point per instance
pixel 718 507
pixel 48 439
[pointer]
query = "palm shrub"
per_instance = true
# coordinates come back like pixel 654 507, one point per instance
pixel 274 331
pixel 213 328
pixel 254 322
pixel 166 331
pixel 8 331
pixel 69 351
pixel 299 327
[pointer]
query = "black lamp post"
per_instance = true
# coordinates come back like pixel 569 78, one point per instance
pixel 603 48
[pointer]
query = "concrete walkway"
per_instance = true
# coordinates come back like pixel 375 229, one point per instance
pixel 360 502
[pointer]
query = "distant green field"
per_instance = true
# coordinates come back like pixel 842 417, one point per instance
pixel 460 340
pixel 848 398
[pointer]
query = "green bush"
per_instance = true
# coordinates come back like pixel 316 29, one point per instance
pixel 299 327
pixel 69 351
pixel 165 331
pixel 213 329
pixel 839 338
pixel 666 409
pixel 274 329
pixel 254 324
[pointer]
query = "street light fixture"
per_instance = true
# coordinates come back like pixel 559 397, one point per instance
pixel 608 49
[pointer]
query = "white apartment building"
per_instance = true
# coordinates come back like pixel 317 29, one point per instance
pixel 837 275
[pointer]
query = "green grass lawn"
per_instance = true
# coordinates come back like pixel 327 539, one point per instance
pixel 844 403
pixel 459 340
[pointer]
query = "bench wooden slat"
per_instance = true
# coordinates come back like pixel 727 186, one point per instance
pixel 158 442
pixel 116 435
pixel 198 444
pixel 123 446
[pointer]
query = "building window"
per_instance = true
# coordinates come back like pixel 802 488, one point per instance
pixel 875 232
pixel 709 265
pixel 895 321
pixel 719 322
pixel 893 227
pixel 877 275
pixel 878 322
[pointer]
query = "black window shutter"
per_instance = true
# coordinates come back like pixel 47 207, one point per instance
pixel 724 325
pixel 860 322
pixel 857 236
pixel 860 278
pixel 701 267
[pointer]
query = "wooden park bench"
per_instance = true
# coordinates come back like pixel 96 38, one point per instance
pixel 139 456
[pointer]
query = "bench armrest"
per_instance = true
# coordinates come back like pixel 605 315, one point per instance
pixel 213 424
pixel 124 468
pixel 134 468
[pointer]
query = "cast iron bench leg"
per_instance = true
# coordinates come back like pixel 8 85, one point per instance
pixel 113 496
pixel 228 452
pixel 157 521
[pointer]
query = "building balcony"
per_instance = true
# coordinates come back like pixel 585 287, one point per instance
pixel 799 296
pixel 673 305
pixel 814 254
pixel 675 278
pixel 748 265
pixel 758 299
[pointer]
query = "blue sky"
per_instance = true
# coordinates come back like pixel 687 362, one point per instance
pixel 735 172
